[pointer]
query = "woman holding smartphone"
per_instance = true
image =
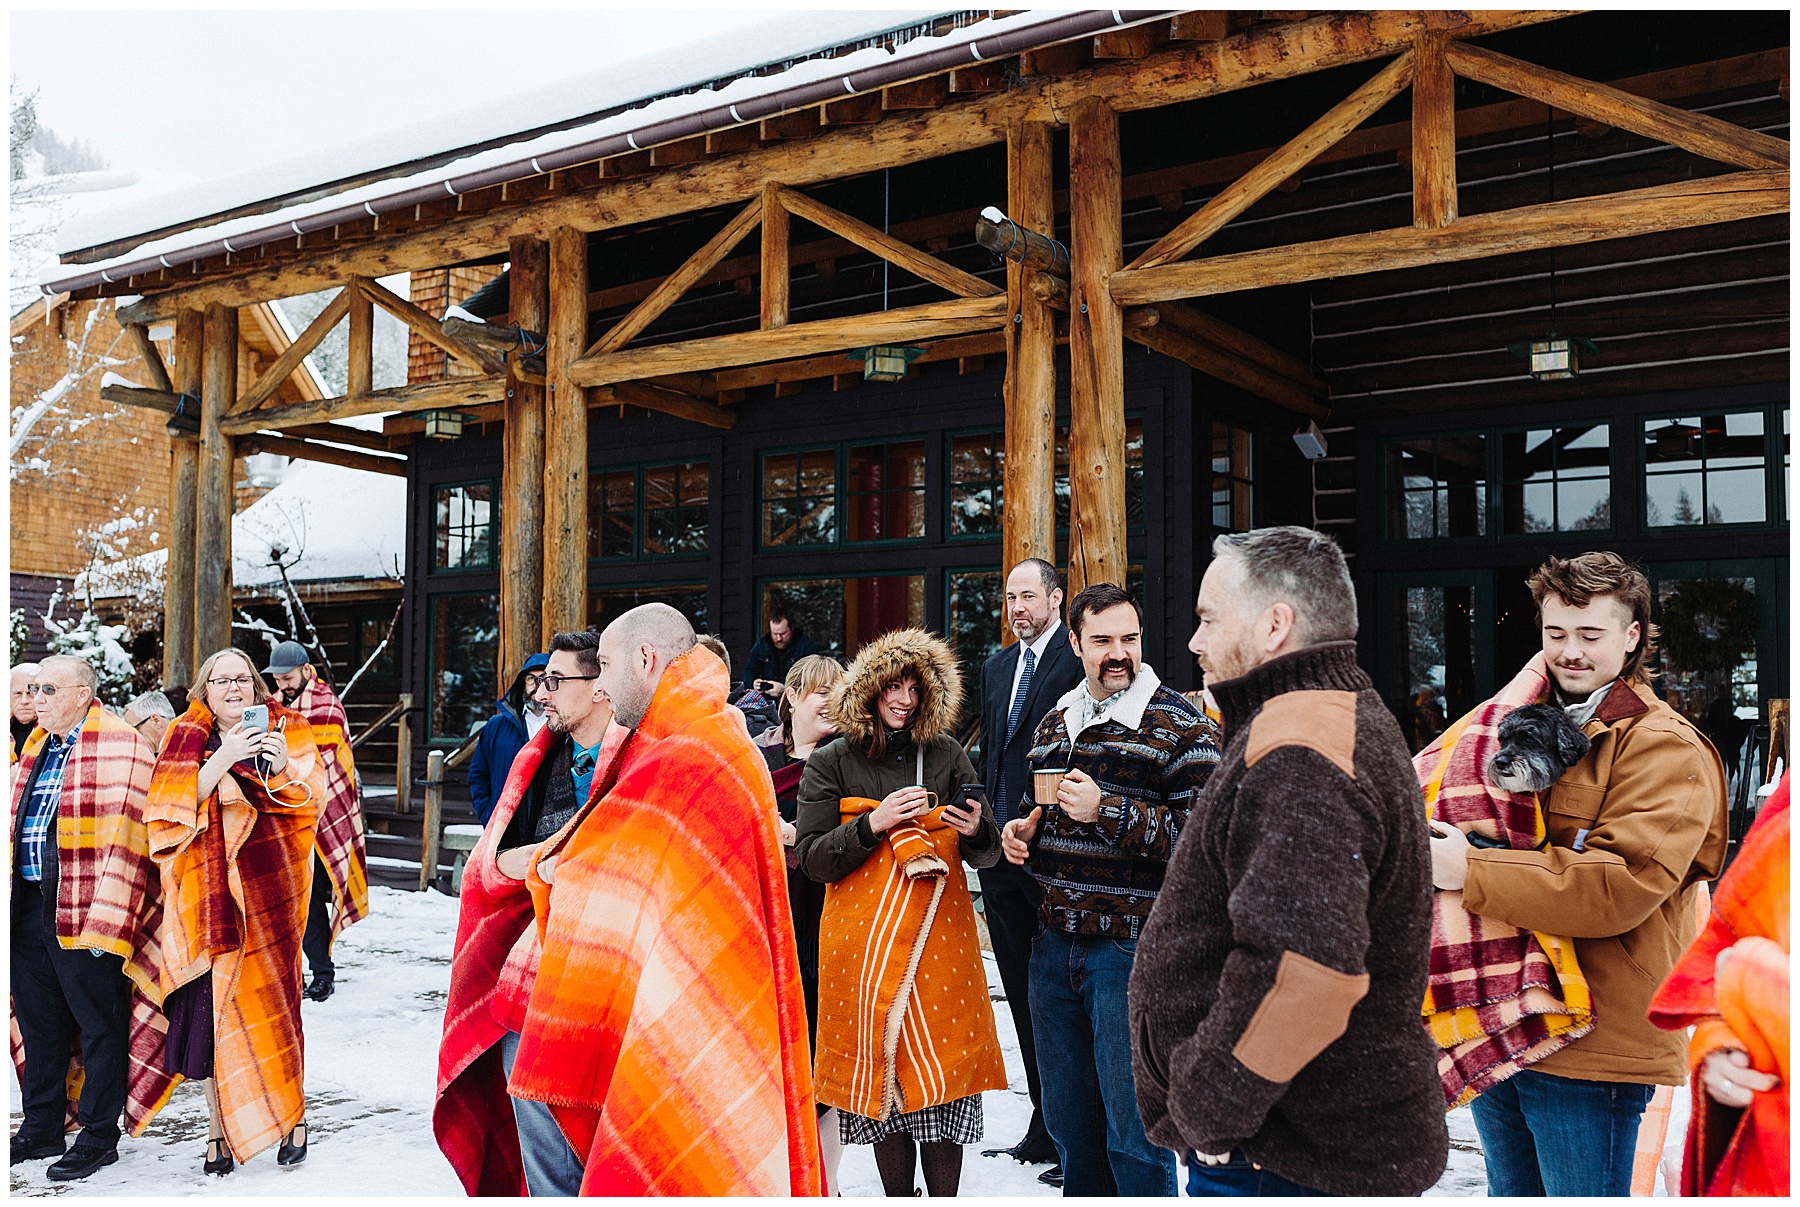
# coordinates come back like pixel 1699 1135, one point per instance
pixel 906 1040
pixel 232 808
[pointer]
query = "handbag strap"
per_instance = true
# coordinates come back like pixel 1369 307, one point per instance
pixel 919 765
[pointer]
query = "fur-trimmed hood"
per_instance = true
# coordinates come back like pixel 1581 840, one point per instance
pixel 890 657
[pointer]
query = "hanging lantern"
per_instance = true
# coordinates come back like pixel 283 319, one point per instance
pixel 886 362
pixel 1554 357
pixel 444 425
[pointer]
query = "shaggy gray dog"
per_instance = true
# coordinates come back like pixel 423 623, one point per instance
pixel 1537 744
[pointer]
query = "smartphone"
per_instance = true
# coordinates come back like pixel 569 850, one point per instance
pixel 969 798
pixel 256 719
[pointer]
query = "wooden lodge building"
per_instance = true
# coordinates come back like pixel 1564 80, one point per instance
pixel 1221 230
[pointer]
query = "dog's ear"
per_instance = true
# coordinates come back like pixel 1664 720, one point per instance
pixel 1571 743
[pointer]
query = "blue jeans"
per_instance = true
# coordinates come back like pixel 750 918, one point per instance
pixel 552 1170
pixel 1239 1179
pixel 1083 1034
pixel 1548 1135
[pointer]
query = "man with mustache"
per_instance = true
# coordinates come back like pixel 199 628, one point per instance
pixel 1138 755
pixel 1632 828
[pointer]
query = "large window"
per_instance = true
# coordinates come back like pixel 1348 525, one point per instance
pixel 1231 479
pixel 1706 469
pixel 648 510
pixel 977 467
pixel 1134 475
pixel 841 614
pixel 1437 487
pixel 1556 479
pixel 799 498
pixel 887 491
pixel 464 527
pixel 607 604
pixel 975 605
pixel 846 494
pixel 465 634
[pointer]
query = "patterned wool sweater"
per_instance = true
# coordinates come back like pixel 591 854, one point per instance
pixel 1150 751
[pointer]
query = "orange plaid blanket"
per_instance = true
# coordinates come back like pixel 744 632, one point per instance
pixel 237 871
pixel 899 1029
pixel 340 835
pixel 108 891
pixel 666 1026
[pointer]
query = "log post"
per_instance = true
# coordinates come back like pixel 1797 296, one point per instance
pixel 361 357
pixel 522 473
pixel 775 274
pixel 212 538
pixel 180 653
pixel 403 735
pixel 1028 488
pixel 565 437
pixel 1433 134
pixel 1096 351
pixel 433 820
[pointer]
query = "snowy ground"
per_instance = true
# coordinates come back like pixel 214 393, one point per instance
pixel 372 1064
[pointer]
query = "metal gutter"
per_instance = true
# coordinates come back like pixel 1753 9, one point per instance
pixel 1002 45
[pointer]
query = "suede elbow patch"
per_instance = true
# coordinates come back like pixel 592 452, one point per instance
pixel 1301 1015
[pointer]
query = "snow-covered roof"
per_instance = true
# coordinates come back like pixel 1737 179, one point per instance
pixel 344 186
pixel 61 201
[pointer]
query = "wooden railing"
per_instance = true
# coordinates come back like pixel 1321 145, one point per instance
pixel 436 763
pixel 399 710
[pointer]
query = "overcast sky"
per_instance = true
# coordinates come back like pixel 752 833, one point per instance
pixel 213 93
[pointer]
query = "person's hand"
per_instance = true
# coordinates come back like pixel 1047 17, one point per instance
pixel 1730 1081
pixel 1079 796
pixel 1449 856
pixel 965 819
pixel 546 869
pixel 273 748
pixel 237 745
pixel 515 863
pixel 900 805
pixel 789 833
pixel 1015 838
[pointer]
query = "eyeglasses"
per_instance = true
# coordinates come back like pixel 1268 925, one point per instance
pixel 532 680
pixel 234 681
pixel 49 689
pixel 554 682
pixel 31 689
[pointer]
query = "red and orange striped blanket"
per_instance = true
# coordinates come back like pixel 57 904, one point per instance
pixel 491 976
pixel 237 871
pixel 667 1028
pixel 340 834
pixel 108 890
pixel 1498 998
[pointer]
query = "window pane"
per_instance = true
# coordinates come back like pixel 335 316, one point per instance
pixel 1437 487
pixel 1231 483
pixel 659 486
pixel 465 634
pixel 1674 499
pixel 607 604
pixel 975 603
pixel 1735 496
pixel 1710 630
pixel 800 498
pixel 816 607
pixel 1134 475
pixel 818 472
pixel 1730 456
pixel 612 513
pixel 463 532
pixel 887 491
pixel 1673 443
pixel 977 462
pixel 675 519
pixel 1435 638
pixel 1584 505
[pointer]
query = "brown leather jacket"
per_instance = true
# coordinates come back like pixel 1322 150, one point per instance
pixel 1633 828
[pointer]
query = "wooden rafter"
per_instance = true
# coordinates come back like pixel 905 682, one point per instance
pixel 901 255
pixel 680 281
pixel 1700 133
pixel 291 357
pixel 1665 207
pixel 427 328
pixel 453 393
pixel 1301 150
pixel 958 316
pixel 307 450
pixel 651 398
pixel 146 350
pixel 772 307
pixel 1433 134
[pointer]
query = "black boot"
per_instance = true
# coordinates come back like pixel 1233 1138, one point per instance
pixel 30 1146
pixel 81 1161
pixel 321 986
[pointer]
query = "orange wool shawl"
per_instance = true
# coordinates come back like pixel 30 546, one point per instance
pixel 904 1019
pixel 666 1026
pixel 340 833
pixel 236 874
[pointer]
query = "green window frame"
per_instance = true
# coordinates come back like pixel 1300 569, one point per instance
pixel 465 526
pixel 831 496
pixel 461 686
pixel 1555 479
pixel 631 510
pixel 1499 484
pixel 1233 478
pixel 797 497
pixel 612 513
pixel 1134 475
pixel 1435 486
pixel 1725 456
pixel 687 597
pixel 975 461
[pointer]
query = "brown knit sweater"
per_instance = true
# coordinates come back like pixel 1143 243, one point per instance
pixel 1276 993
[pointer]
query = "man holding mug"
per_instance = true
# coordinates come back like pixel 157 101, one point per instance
pixel 1116 766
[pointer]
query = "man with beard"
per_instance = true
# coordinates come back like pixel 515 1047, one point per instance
pixel 340 864
pixel 1018 686
pixel 518 715
pixel 1137 755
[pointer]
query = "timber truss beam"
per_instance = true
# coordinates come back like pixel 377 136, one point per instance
pixel 1160 275
pixel 310 442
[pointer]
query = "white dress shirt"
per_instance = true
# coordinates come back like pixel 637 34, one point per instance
pixel 1037 646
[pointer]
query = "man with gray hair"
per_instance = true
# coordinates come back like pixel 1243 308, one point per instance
pixel 150 715
pixel 24 705
pixel 1275 995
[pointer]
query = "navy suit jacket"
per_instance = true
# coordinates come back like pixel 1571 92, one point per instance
pixel 1057 671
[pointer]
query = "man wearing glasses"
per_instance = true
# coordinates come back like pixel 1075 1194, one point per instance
pixel 150 715
pixel 24 705
pixel 518 715
pixel 83 891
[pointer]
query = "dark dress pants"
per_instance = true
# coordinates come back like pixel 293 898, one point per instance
pixel 1009 900
pixel 316 943
pixel 58 995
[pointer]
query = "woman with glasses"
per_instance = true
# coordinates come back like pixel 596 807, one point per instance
pixel 231 814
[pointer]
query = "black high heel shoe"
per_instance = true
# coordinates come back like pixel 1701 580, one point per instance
pixel 290 1153
pixel 221 1165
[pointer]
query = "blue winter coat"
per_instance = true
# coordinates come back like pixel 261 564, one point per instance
pixel 501 740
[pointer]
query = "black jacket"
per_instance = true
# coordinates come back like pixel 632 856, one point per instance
pixel 1057 671
pixel 767 662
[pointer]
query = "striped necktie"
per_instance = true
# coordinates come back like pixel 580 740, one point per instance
pixel 1003 806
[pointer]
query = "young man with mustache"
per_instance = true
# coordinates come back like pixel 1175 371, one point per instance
pixel 1632 827
pixel 1137 755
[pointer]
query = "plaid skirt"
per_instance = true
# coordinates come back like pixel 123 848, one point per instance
pixel 958 1122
